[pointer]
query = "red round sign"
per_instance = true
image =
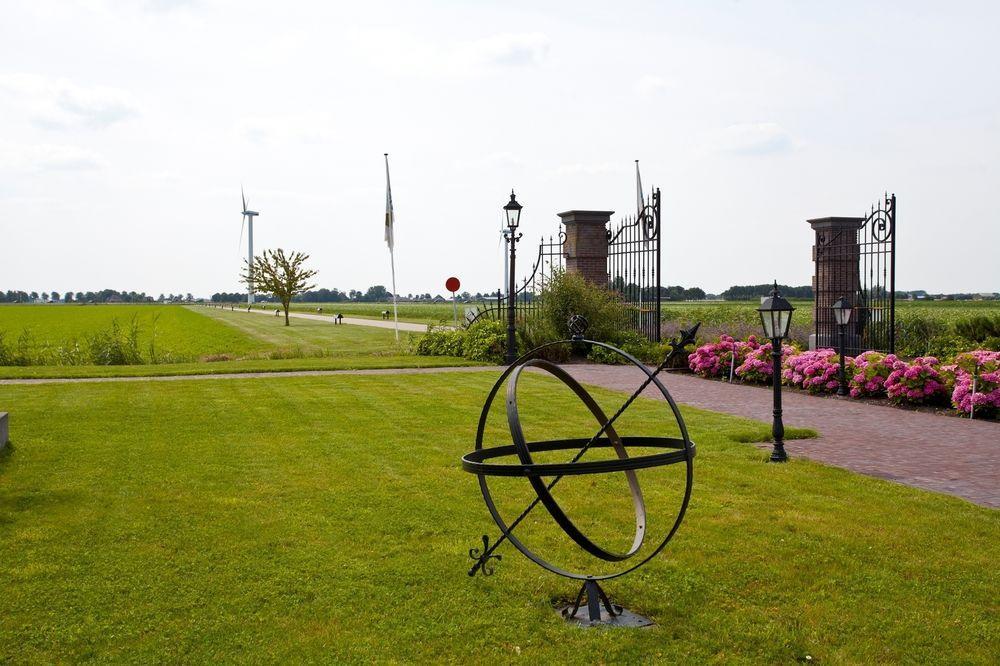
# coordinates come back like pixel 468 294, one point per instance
pixel 453 284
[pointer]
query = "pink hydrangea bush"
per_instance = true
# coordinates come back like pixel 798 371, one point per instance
pixel 917 382
pixel 871 369
pixel 714 358
pixel 981 367
pixel 757 367
pixel 817 371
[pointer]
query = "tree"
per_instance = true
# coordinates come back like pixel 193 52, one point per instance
pixel 279 274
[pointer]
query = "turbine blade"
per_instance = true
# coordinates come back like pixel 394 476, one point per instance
pixel 240 246
pixel 244 199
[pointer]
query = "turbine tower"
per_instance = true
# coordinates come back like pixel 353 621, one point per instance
pixel 248 216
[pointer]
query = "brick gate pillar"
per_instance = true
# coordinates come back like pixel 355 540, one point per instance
pixel 586 246
pixel 836 274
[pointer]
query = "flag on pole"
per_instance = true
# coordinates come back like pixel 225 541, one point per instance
pixel 388 206
pixel 638 191
pixel 389 222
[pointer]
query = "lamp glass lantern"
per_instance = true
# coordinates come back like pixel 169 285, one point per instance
pixel 775 315
pixel 513 212
pixel 842 310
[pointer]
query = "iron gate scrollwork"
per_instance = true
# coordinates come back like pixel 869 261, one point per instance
pixel 549 261
pixel 634 267
pixel 870 253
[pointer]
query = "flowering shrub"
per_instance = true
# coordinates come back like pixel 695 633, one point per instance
pixel 916 382
pixel 871 369
pixel 816 371
pixel 982 369
pixel 758 366
pixel 715 358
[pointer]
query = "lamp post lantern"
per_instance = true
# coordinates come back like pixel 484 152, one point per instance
pixel 842 315
pixel 776 316
pixel 512 214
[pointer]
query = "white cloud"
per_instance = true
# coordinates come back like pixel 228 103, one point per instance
pixel 752 139
pixel 491 160
pixel 59 104
pixel 650 85
pixel 593 169
pixel 508 49
pixel 51 157
pixel 286 129
pixel 402 54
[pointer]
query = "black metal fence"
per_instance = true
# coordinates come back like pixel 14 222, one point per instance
pixel 634 267
pixel 873 251
pixel 633 272
pixel 549 261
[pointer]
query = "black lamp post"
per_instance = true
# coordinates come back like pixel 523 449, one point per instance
pixel 512 211
pixel 776 316
pixel 842 315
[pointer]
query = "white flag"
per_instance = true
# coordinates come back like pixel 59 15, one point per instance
pixel 640 204
pixel 389 219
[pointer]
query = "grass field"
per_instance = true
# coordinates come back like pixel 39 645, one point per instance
pixel 234 341
pixel 177 331
pixel 326 519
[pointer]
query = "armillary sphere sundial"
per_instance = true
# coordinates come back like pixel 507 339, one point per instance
pixel 543 477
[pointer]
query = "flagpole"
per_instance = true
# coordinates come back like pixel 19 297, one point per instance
pixel 390 231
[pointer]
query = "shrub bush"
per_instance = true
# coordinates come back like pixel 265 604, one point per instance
pixel 569 294
pixel 758 367
pixel 442 342
pixel 716 358
pixel 979 369
pixel 816 371
pixel 485 341
pixel 871 369
pixel 916 383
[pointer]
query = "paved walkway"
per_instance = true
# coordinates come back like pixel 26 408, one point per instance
pixel 356 321
pixel 949 455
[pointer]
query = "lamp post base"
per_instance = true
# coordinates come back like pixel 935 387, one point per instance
pixel 778 455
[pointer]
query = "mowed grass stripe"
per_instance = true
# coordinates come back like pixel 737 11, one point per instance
pixel 327 519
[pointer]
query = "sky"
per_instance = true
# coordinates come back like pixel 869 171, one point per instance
pixel 127 128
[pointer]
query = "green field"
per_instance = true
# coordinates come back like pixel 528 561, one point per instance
pixel 199 340
pixel 327 519
pixel 177 332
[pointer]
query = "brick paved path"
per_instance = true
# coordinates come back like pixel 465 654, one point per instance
pixel 936 452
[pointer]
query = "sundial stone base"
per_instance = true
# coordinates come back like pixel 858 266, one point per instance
pixel 624 618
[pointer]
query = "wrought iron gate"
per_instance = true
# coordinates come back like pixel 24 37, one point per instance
pixel 634 267
pixel 872 250
pixel 633 272
pixel 549 261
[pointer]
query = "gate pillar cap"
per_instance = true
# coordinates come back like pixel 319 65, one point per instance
pixel 585 216
pixel 836 222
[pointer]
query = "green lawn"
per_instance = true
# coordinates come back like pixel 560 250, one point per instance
pixel 178 332
pixel 326 519
pixel 259 343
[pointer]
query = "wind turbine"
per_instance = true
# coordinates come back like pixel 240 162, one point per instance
pixel 248 216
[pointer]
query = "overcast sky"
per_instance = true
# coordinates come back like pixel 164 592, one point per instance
pixel 127 127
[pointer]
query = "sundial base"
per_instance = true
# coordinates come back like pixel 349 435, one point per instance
pixel 625 618
pixel 599 611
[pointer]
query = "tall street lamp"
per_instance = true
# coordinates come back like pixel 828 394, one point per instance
pixel 776 316
pixel 512 212
pixel 842 315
